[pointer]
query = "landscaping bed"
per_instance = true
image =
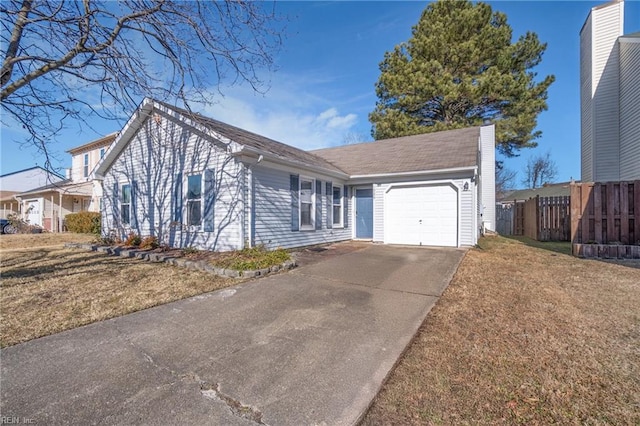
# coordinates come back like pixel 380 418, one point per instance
pixel 246 263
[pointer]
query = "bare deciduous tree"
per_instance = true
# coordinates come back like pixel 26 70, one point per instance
pixel 505 179
pixel 351 138
pixel 78 59
pixel 540 169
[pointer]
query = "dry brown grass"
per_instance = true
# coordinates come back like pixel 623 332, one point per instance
pixel 50 289
pixel 19 241
pixel 523 336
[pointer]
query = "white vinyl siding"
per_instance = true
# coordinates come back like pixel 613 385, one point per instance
pixel 487 177
pixel 629 108
pixel 601 113
pixel 271 215
pixel 586 112
pixel 160 156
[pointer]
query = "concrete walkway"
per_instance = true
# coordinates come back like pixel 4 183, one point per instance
pixel 311 346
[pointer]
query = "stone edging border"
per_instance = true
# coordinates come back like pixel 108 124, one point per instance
pixel 606 251
pixel 184 263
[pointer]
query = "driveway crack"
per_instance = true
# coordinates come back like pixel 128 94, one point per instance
pixel 207 390
pixel 237 408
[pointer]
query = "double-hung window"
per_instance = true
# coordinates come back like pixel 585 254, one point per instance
pixel 337 206
pixel 86 165
pixel 194 200
pixel 125 204
pixel 307 203
pixel 101 152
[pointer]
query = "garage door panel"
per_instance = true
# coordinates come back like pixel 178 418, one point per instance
pixel 422 215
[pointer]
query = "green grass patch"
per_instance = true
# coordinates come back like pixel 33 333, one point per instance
pixel 563 247
pixel 252 258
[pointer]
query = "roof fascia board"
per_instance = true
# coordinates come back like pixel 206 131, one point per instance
pixel 63 189
pixel 255 153
pixel 414 173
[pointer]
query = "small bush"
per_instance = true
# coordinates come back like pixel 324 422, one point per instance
pixel 105 241
pixel 21 226
pixel 190 250
pixel 83 222
pixel 149 243
pixel 133 240
pixel 253 258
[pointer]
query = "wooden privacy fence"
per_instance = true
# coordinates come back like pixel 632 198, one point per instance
pixel 605 213
pixel 504 219
pixel 547 218
pixel 539 218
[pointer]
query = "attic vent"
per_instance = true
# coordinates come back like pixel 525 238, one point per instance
pixel 157 118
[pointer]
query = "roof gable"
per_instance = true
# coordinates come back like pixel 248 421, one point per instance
pixel 258 142
pixel 225 133
pixel 94 144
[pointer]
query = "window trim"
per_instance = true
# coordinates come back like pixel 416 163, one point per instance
pixel 85 165
pixel 125 205
pixel 187 201
pixel 102 151
pixel 312 225
pixel 340 223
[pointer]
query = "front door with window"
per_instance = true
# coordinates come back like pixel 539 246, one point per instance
pixel 364 213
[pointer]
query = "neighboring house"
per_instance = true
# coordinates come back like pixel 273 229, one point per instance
pixel 609 93
pixel 194 181
pixel 13 183
pixel 47 205
pixel 561 189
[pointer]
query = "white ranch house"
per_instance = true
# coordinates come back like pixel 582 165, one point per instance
pixel 194 181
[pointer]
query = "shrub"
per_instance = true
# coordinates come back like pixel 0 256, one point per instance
pixel 83 222
pixel 21 226
pixel 149 243
pixel 133 240
pixel 190 250
pixel 253 258
pixel 105 241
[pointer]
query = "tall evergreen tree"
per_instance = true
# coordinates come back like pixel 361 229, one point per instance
pixel 460 69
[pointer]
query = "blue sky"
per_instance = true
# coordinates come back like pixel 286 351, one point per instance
pixel 323 89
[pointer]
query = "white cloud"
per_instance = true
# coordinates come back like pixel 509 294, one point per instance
pixel 294 115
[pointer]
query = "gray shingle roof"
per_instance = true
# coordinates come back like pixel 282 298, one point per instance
pixel 430 151
pixel 261 143
pixel 562 189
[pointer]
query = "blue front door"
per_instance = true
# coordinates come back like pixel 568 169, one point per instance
pixel 364 213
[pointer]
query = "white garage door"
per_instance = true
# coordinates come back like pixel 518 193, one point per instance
pixel 422 215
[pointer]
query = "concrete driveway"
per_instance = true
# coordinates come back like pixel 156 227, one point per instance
pixel 311 346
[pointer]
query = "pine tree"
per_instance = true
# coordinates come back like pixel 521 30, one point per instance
pixel 460 69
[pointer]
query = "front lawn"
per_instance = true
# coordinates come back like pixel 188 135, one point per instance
pixel 49 289
pixel 523 335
